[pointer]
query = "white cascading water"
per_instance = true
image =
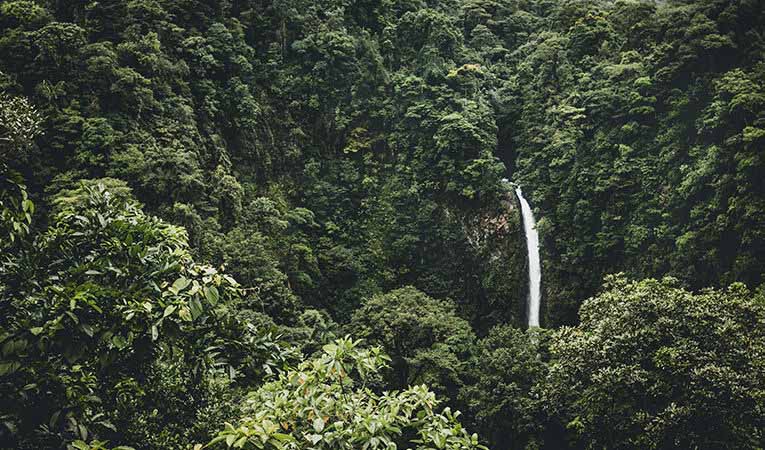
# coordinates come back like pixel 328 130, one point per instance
pixel 535 272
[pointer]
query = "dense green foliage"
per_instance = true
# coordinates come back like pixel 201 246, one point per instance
pixel 197 198
pixel 654 366
pixel 639 130
pixel 320 406
pixel 425 339
pixel 110 328
pixel 502 392
pixel 376 132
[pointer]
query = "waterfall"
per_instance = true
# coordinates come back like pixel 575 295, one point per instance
pixel 535 272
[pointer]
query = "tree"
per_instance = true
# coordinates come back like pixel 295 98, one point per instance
pixel 109 328
pixel 19 125
pixel 654 366
pixel 426 340
pixel 502 388
pixel 325 404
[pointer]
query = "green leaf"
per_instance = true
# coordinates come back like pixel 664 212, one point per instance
pixel 283 437
pixel 79 445
pixel 87 329
pixel 185 314
pixel 196 308
pixel 9 367
pixel 154 332
pixel 330 349
pixel 211 294
pixel 119 341
pixel 180 284
pixel 169 309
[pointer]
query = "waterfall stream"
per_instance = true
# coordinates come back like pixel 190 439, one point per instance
pixel 535 272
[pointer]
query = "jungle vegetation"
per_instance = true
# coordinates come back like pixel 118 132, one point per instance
pixel 281 224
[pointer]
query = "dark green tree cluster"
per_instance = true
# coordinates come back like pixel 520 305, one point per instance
pixel 376 133
pixel 110 329
pixel 654 366
pixel 368 160
pixel 637 128
pixel 650 365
